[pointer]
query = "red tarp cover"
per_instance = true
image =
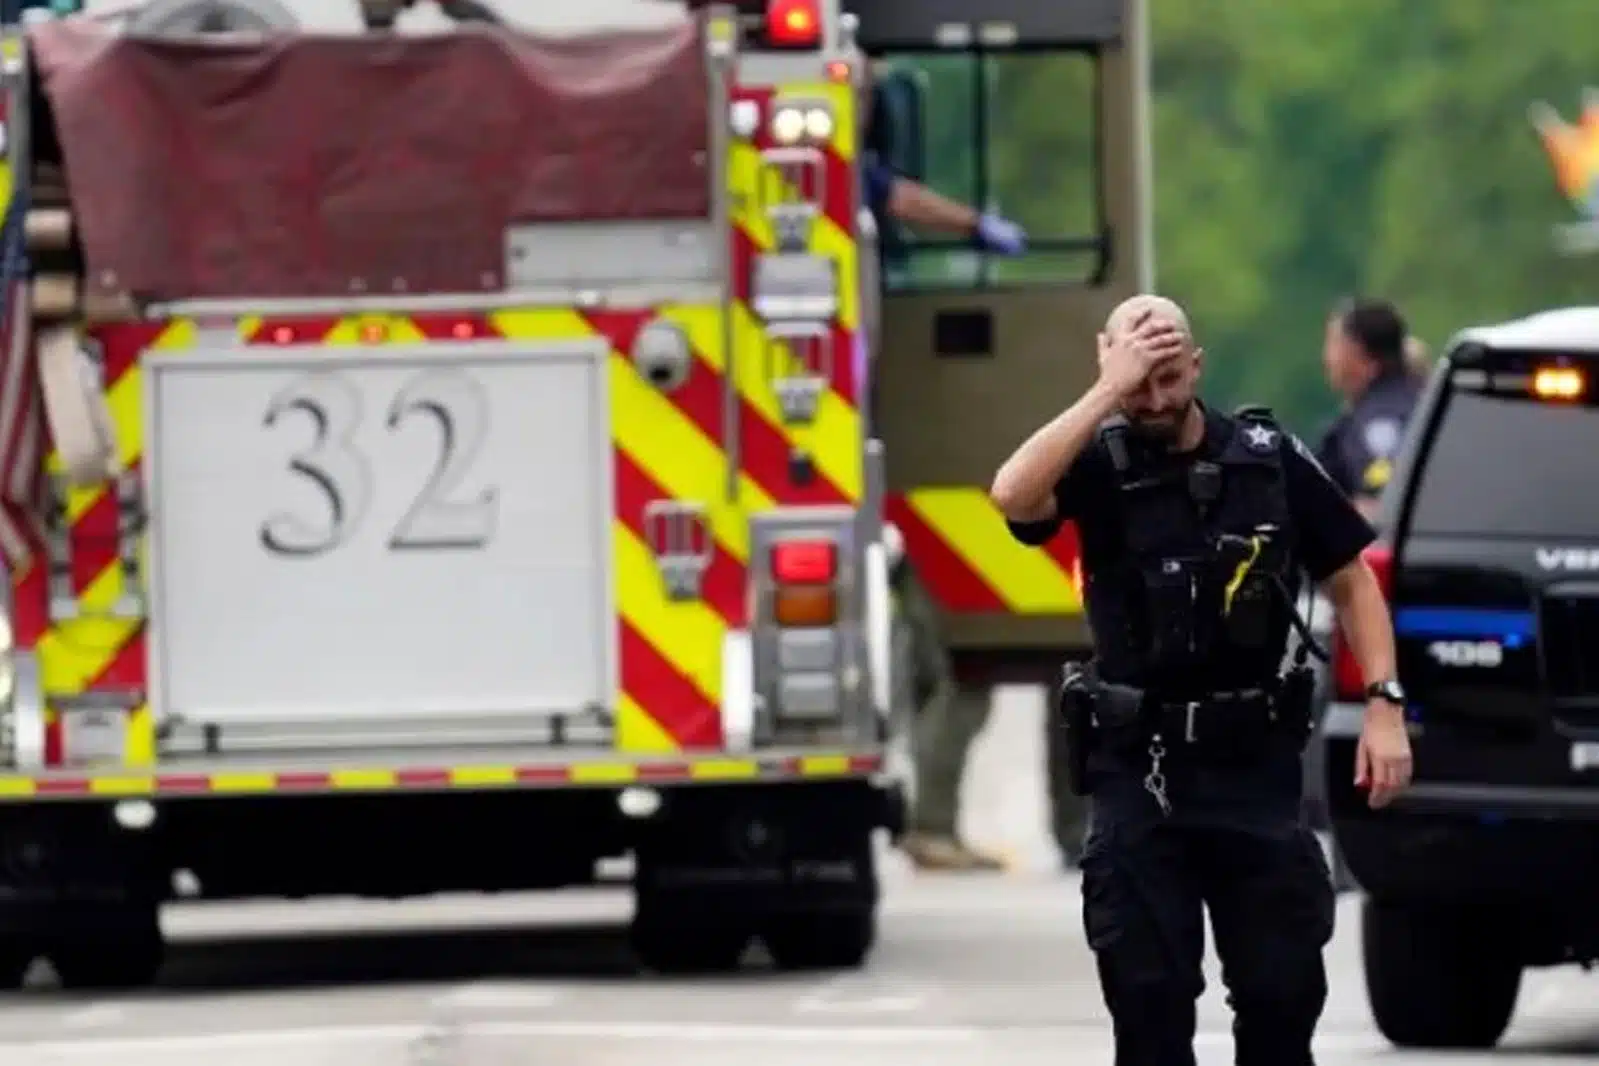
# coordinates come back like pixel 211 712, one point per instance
pixel 322 166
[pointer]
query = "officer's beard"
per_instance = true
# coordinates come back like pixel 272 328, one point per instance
pixel 1159 427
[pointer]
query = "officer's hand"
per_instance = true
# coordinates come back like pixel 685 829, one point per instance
pixel 1126 360
pixel 1382 758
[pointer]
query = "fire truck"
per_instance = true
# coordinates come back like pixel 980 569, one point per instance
pixel 1039 111
pixel 440 462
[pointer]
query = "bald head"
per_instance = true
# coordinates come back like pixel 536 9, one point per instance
pixel 1147 306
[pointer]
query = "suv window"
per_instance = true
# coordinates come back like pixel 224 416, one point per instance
pixel 1510 465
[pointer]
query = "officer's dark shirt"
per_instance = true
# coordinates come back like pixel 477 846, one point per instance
pixel 1358 449
pixel 1328 534
pixel 878 178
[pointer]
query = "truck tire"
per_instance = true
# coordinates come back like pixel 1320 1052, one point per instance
pixel 822 940
pixel 670 943
pixel 1438 977
pixel 121 949
pixel 16 958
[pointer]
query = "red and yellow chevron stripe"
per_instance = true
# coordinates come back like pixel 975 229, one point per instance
pixel 592 774
pixel 972 565
pixel 666 446
pixel 836 440
pixel 834 236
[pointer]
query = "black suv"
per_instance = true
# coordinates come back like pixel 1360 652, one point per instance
pixel 1490 555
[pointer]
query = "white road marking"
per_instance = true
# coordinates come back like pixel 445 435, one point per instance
pixel 489 996
pixel 719 1033
pixel 841 1004
pixel 850 993
pixel 99 1016
pixel 337 1045
pixel 282 1040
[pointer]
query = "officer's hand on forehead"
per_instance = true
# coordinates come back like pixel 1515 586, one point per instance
pixel 1150 328
pixel 1148 317
pixel 1142 335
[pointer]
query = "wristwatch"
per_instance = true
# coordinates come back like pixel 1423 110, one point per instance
pixel 1387 691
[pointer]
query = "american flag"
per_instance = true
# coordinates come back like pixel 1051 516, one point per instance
pixel 23 437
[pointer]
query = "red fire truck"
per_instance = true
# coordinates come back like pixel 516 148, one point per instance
pixel 437 465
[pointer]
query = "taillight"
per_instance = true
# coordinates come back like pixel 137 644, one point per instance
pixel 804 562
pixel 1348 682
pixel 794 23
pixel 805 572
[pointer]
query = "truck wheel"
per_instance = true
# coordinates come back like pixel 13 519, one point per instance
pixel 823 940
pixel 122 950
pixel 1438 977
pixel 16 957
pixel 670 943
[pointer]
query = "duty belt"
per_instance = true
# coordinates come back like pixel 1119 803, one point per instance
pixel 1217 716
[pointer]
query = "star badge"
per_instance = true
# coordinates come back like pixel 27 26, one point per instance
pixel 1260 439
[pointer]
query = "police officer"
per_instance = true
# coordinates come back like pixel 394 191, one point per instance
pixel 1365 357
pixel 950 713
pixel 1194 526
pixel 947 717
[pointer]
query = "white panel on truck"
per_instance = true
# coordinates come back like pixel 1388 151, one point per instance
pixel 363 533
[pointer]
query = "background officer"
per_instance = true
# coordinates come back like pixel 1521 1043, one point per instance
pixel 1194 526
pixel 1364 353
pixel 949 714
pixel 948 718
pixel 892 197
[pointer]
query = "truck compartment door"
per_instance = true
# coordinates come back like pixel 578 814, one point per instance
pixel 344 536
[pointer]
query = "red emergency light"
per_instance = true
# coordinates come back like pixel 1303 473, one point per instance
pixel 794 23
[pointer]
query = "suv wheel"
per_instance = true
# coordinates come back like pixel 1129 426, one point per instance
pixel 1435 977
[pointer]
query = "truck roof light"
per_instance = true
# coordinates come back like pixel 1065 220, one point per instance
pixel 794 23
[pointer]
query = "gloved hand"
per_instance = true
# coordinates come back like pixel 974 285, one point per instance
pixel 1000 235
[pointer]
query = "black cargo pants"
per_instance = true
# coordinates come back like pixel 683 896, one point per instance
pixel 1147 881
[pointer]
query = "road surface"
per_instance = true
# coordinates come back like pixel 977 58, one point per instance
pixel 970 968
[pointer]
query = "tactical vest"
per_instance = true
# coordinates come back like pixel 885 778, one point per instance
pixel 1200 598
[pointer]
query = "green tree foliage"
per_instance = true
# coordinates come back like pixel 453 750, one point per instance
pixel 1304 151
pixel 1307 150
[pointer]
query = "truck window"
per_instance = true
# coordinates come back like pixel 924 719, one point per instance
pixel 1510 465
pixel 1013 133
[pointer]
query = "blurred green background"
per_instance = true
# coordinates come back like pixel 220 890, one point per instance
pixel 1303 151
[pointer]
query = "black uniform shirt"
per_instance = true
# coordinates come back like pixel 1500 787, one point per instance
pixel 1328 534
pixel 1358 449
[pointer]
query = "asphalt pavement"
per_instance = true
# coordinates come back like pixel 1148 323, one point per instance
pixel 969 967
